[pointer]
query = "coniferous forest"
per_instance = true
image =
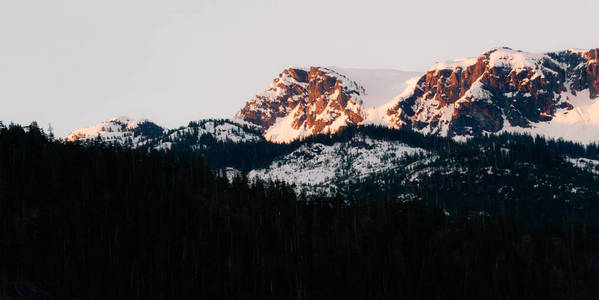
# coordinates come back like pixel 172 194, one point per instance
pixel 97 221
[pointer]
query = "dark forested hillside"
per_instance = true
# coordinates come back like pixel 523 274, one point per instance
pixel 98 222
pixel 531 177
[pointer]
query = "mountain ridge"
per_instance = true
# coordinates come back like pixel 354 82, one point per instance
pixel 120 130
pixel 472 96
pixel 502 90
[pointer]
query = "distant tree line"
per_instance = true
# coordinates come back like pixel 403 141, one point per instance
pixel 247 156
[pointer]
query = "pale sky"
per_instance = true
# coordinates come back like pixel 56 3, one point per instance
pixel 75 63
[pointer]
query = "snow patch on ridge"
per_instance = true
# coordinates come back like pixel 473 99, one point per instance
pixel 381 85
pixel 116 129
pixel 463 63
pixel 282 131
pixel 378 115
pixel 581 124
pixel 317 167
pixel 223 130
pixel 502 57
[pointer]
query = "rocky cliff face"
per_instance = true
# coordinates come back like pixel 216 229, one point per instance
pixel 592 71
pixel 302 102
pixel 471 96
pixel 499 90
pixel 552 94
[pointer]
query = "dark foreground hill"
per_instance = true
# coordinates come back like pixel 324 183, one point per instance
pixel 98 222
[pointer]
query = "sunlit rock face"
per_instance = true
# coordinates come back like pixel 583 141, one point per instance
pixel 303 102
pixel 502 87
pixel 553 94
pixel 592 72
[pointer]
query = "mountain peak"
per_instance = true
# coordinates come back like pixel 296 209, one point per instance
pixel 302 102
pixel 118 129
pixel 307 101
pixel 503 89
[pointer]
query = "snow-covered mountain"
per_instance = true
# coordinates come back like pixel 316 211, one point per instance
pixel 144 133
pixel 367 159
pixel 550 93
pixel 120 130
pixel 553 94
pixel 321 168
pixel 363 163
pixel 303 102
pixel 198 134
pixel 503 89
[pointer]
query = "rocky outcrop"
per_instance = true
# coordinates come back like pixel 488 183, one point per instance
pixel 592 71
pixel 471 96
pixel 302 102
pixel 502 88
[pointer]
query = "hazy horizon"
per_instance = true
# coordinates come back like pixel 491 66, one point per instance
pixel 74 64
